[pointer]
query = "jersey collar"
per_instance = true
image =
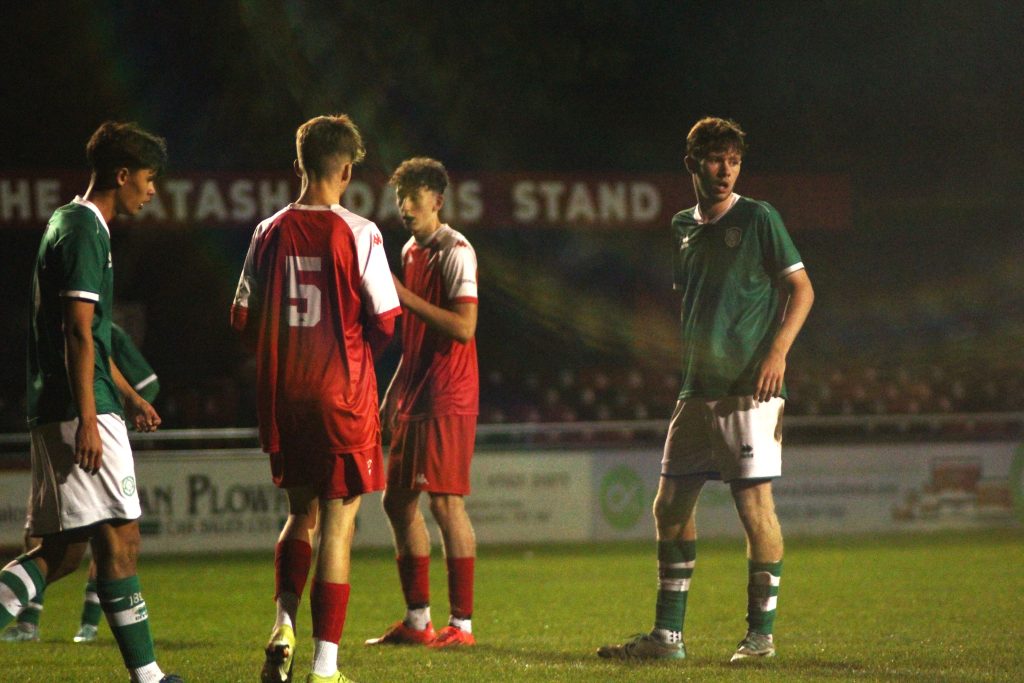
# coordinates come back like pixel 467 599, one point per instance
pixel 314 207
pixel 432 237
pixel 733 198
pixel 89 205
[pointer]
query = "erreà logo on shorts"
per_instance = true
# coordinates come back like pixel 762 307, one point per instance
pixel 128 486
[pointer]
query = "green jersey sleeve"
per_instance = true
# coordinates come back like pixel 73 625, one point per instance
pixel 780 254
pixel 133 365
pixel 84 255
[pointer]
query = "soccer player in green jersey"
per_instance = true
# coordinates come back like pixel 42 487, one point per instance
pixel 143 379
pixel 83 474
pixel 745 297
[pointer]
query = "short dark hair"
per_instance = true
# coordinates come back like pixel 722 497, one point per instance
pixel 322 142
pixel 713 134
pixel 419 172
pixel 116 145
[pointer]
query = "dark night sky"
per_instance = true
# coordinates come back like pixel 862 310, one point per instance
pixel 919 103
pixel 911 98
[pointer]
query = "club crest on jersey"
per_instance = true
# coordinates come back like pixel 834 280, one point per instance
pixel 684 243
pixel 733 236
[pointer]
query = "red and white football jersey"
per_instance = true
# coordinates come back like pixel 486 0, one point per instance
pixel 438 375
pixel 313 279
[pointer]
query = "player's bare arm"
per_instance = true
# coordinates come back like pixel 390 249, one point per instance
pixel 457 322
pixel 79 359
pixel 773 368
pixel 138 410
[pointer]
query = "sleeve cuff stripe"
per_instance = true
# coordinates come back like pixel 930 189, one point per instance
pixel 80 294
pixel 145 383
pixel 792 269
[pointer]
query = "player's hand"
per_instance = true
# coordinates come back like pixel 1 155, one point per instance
pixel 769 380
pixel 88 446
pixel 141 414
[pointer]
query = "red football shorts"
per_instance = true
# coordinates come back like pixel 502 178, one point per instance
pixel 433 454
pixel 331 475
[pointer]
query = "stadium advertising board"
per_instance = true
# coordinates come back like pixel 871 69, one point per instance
pixel 584 201
pixel 206 501
pixel 827 490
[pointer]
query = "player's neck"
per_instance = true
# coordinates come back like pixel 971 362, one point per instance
pixel 102 200
pixel 320 192
pixel 427 233
pixel 711 211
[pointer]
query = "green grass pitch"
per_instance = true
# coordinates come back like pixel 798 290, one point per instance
pixel 930 607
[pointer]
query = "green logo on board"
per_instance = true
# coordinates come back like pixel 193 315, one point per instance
pixel 622 498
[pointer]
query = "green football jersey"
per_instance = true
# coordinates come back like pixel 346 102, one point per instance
pixel 132 364
pixel 729 272
pixel 73 262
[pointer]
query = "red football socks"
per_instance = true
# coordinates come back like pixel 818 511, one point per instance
pixel 329 604
pixel 292 560
pixel 414 574
pixel 460 586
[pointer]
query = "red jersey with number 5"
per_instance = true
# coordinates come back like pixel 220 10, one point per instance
pixel 316 283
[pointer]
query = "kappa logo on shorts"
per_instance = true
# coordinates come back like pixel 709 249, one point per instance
pixel 128 486
pixel 421 478
pixel 746 451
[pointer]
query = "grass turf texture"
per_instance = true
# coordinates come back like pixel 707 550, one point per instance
pixel 933 607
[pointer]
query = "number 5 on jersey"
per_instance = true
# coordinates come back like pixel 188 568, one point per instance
pixel 303 298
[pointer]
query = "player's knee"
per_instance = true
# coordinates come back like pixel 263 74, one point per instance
pixel 445 508
pixel 666 510
pixel 399 506
pixel 126 553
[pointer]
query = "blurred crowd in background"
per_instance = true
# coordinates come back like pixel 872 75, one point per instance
pixel 919 300
pixel 580 327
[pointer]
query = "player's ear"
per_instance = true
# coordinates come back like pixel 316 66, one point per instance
pixel 297 167
pixel 346 172
pixel 438 201
pixel 692 165
pixel 122 175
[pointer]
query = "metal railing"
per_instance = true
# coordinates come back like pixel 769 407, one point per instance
pixel 1003 425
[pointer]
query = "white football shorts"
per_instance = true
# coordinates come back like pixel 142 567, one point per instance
pixel 731 438
pixel 64 496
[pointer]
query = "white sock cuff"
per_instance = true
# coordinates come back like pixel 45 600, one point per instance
pixel 325 658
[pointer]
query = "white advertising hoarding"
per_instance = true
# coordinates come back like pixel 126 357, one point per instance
pixel 215 500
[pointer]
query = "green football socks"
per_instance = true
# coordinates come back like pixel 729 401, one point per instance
pixel 763 595
pixel 34 610
pixel 128 618
pixel 676 559
pixel 20 582
pixel 91 610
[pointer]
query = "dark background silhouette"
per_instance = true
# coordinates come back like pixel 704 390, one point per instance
pixel 918 104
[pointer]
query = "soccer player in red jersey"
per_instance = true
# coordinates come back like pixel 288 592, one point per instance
pixel 431 408
pixel 317 288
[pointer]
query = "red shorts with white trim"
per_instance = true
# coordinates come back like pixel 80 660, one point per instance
pixel 432 454
pixel 331 475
